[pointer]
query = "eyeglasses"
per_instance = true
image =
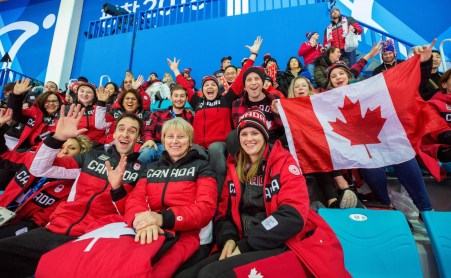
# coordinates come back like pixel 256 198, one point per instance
pixel 130 98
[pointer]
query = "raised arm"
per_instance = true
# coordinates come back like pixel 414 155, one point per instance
pixel 67 168
pixel 101 121
pixel 16 99
pixel 238 86
pixel 358 67
pixel 174 66
pixel 4 118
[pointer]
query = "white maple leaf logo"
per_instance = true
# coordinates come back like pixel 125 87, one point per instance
pixel 113 230
pixel 269 124
pixel 254 274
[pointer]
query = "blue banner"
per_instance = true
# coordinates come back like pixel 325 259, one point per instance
pixel 26 33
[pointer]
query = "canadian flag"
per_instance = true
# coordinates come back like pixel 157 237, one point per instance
pixel 373 123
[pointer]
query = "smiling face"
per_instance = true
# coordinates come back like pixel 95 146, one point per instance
pixel 85 95
pixel 339 77
pixel 253 85
pixel 210 90
pixel 176 143
pixel 230 74
pixel 300 88
pixel 388 57
pixel 252 141
pixel 130 103
pixel 51 104
pixel 50 86
pixel 178 98
pixel 126 135
pixel 128 83
pixel 109 89
pixel 69 149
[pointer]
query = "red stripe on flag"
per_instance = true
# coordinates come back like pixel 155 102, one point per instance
pixel 303 126
pixel 416 116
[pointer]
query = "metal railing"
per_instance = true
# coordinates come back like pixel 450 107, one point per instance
pixel 111 26
pixel 9 75
pixel 444 65
pixel 185 13
pixel 376 35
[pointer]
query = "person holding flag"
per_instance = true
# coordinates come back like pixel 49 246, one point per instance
pixel 370 124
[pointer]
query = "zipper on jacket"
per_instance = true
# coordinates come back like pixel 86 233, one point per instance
pixel 165 186
pixel 87 208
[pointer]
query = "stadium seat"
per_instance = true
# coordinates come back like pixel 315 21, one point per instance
pixel 376 243
pixel 438 225
pixel 163 105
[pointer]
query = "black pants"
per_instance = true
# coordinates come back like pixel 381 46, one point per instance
pixel 212 267
pixel 325 182
pixel 444 154
pixel 18 227
pixel 20 254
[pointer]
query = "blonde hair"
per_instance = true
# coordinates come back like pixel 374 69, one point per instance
pixel 171 79
pixel 84 143
pixel 291 87
pixel 178 124
pixel 244 172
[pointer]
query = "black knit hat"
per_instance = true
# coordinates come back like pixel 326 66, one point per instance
pixel 258 70
pixel 87 84
pixel 256 119
pixel 209 77
pixel 267 77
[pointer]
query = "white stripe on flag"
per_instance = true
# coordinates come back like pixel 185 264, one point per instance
pixel 288 133
pixel 372 93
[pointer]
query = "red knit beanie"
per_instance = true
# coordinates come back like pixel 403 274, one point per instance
pixel 256 119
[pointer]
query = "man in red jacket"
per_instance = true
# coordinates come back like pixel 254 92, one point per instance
pixel 338 29
pixel 99 190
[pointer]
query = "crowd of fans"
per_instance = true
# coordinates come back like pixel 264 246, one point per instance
pixel 214 176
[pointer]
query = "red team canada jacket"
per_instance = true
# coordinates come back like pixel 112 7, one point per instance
pixel 40 204
pixel 91 197
pixel 428 152
pixel 185 194
pixel 34 120
pixel 287 207
pixel 94 120
pixel 212 119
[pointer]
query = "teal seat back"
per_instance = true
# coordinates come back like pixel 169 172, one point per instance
pixel 376 243
pixel 438 225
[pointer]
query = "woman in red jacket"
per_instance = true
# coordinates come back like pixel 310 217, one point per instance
pixel 38 121
pixel 33 199
pixel 213 111
pixel 177 194
pixel 94 116
pixel 264 217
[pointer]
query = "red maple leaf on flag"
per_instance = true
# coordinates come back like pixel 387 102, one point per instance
pixel 357 129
